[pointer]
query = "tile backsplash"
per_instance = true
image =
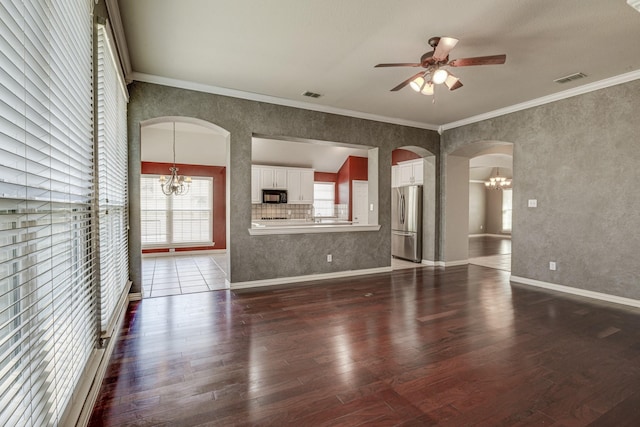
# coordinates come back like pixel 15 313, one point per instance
pixel 290 211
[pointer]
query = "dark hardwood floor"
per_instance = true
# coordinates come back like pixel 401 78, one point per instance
pixel 489 245
pixel 417 347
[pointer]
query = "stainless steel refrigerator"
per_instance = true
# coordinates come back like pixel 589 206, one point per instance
pixel 406 223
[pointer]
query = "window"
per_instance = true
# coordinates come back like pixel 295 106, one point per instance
pixel 507 200
pixel 185 220
pixel 111 161
pixel 48 327
pixel 324 194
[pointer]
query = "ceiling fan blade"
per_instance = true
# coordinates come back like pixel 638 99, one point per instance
pixel 406 82
pixel 480 60
pixel 453 82
pixel 400 64
pixel 443 48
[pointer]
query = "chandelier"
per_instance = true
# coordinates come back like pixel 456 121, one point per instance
pixel 176 184
pixel 498 182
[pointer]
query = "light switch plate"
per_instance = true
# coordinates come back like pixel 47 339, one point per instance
pixel 533 203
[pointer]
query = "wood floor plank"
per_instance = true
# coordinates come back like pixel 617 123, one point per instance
pixel 424 346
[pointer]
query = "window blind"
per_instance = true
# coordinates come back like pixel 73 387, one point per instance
pixel 47 295
pixel 324 198
pixel 185 220
pixel 111 126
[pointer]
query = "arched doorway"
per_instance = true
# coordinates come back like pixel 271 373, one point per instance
pixel 415 166
pixel 475 219
pixel 184 237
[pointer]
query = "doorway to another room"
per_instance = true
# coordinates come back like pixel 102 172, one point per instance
pixel 490 208
pixel 183 206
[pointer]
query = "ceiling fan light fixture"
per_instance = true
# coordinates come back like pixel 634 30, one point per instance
pixel 427 89
pixel 417 83
pixel 452 82
pixel 439 76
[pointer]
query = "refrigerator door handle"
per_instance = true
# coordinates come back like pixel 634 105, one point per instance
pixel 403 233
pixel 402 209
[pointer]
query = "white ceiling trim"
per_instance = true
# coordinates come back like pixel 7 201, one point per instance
pixel 601 84
pixel 182 84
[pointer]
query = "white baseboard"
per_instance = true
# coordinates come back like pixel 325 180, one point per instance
pixel 307 278
pixel 504 236
pixel 185 253
pixel 430 263
pixel 577 291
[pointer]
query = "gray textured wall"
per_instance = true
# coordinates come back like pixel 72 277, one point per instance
pixel 580 159
pixel 266 257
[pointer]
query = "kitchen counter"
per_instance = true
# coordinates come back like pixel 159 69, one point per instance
pixel 301 226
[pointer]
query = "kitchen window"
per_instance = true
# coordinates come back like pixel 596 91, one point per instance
pixel 324 198
pixel 173 221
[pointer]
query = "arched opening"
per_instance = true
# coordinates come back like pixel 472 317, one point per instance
pixel 184 235
pixel 477 216
pixel 413 204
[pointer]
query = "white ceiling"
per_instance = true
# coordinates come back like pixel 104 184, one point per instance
pixel 323 157
pixel 278 49
pixel 195 144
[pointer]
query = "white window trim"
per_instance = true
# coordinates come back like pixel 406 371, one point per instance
pixel 169 244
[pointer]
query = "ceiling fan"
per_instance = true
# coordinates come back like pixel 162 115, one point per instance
pixel 436 63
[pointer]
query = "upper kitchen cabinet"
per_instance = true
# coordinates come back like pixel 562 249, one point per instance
pixel 256 191
pixel 300 186
pixel 410 173
pixel 273 178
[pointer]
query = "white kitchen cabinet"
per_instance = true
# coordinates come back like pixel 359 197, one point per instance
pixel 395 179
pixel 300 186
pixel 410 173
pixel 273 178
pixel 256 191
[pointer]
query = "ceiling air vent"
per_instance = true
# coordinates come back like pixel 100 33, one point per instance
pixel 311 94
pixel 570 78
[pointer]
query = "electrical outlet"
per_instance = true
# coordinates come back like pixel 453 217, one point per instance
pixel 371 207
pixel 533 203
pixel 329 257
pixel 552 265
pixel 172 249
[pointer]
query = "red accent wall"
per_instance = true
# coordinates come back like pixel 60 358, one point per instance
pixel 353 168
pixel 400 155
pixel 325 177
pixel 218 173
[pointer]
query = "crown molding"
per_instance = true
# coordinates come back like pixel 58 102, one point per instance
pixel 600 84
pixel 199 87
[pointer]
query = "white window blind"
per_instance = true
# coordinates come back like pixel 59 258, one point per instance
pixel 111 126
pixel 324 198
pixel 185 220
pixel 47 295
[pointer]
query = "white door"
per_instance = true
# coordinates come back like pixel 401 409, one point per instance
pixel 360 202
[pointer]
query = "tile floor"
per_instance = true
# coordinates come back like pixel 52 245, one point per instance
pixel 183 274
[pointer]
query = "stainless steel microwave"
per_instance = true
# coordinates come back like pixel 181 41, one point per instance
pixel 274 196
